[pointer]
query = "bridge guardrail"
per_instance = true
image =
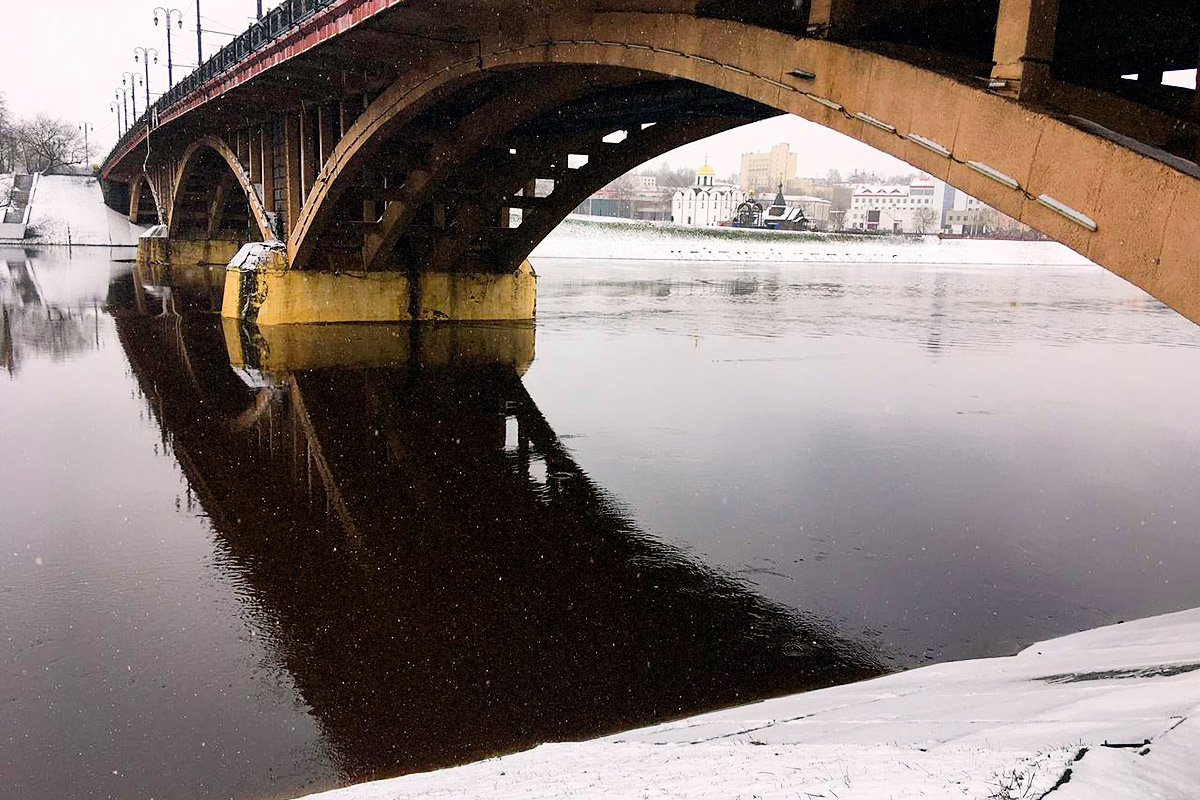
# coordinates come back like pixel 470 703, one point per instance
pixel 275 23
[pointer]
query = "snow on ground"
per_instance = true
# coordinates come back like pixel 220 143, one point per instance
pixel 1110 713
pixel 70 210
pixel 593 237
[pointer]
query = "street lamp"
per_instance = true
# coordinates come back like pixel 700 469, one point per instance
pixel 133 79
pixel 199 39
pixel 87 151
pixel 260 9
pixel 167 12
pixel 116 109
pixel 145 56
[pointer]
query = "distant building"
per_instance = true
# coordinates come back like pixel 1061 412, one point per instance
pixel 707 203
pixel 915 208
pixel 631 197
pixel 784 217
pixel 964 215
pixel 816 211
pixel 762 172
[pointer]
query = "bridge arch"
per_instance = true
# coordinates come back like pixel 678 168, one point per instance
pixel 144 206
pixel 212 197
pixel 1038 168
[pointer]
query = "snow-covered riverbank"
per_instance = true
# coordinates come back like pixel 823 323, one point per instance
pixel 1108 713
pixel 592 237
pixel 69 210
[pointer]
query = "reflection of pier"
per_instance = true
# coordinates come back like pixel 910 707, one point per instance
pixel 442 579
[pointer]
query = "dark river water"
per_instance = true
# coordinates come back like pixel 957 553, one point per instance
pixel 251 564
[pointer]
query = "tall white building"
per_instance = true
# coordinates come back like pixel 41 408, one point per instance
pixel 706 203
pixel 762 172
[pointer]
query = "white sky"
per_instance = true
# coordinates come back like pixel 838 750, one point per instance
pixel 65 58
pixel 818 149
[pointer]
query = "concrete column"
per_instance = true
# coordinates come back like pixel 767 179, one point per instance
pixel 267 148
pixel 254 142
pixel 831 18
pixel 370 211
pixel 292 176
pixel 326 139
pixel 135 198
pixel 216 211
pixel 242 148
pixel 1024 45
pixel 308 151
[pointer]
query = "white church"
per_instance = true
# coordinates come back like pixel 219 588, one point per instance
pixel 706 203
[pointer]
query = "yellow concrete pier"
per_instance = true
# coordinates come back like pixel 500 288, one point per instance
pixel 270 294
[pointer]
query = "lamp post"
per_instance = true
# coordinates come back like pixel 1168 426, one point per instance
pixel 87 151
pixel 199 40
pixel 260 9
pixel 116 109
pixel 133 79
pixel 145 54
pixel 167 12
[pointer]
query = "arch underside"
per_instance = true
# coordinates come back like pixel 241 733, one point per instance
pixel 430 173
pixel 474 181
pixel 143 201
pixel 212 199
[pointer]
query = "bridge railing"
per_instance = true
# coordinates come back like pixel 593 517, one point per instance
pixel 277 22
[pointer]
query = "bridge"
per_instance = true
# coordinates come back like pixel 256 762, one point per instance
pixel 408 155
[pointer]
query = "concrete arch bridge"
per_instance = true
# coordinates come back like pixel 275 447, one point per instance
pixel 409 154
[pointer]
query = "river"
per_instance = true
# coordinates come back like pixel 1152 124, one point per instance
pixel 250 564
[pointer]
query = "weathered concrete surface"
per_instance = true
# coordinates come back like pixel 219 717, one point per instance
pixel 275 295
pixel 162 251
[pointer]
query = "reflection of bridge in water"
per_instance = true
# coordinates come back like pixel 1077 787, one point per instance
pixel 442 580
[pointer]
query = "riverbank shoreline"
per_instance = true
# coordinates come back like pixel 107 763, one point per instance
pixel 1112 712
pixel 580 237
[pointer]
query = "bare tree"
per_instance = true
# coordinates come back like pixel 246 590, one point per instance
pixel 989 220
pixel 8 145
pixel 674 178
pixel 924 219
pixel 623 189
pixel 45 143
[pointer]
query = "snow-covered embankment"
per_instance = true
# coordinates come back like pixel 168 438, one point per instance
pixel 1109 713
pixel 69 210
pixel 595 237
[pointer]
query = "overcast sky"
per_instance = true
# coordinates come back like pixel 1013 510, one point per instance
pixel 65 58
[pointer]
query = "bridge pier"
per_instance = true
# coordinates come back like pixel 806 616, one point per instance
pixel 262 289
pixel 266 292
pixel 164 251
